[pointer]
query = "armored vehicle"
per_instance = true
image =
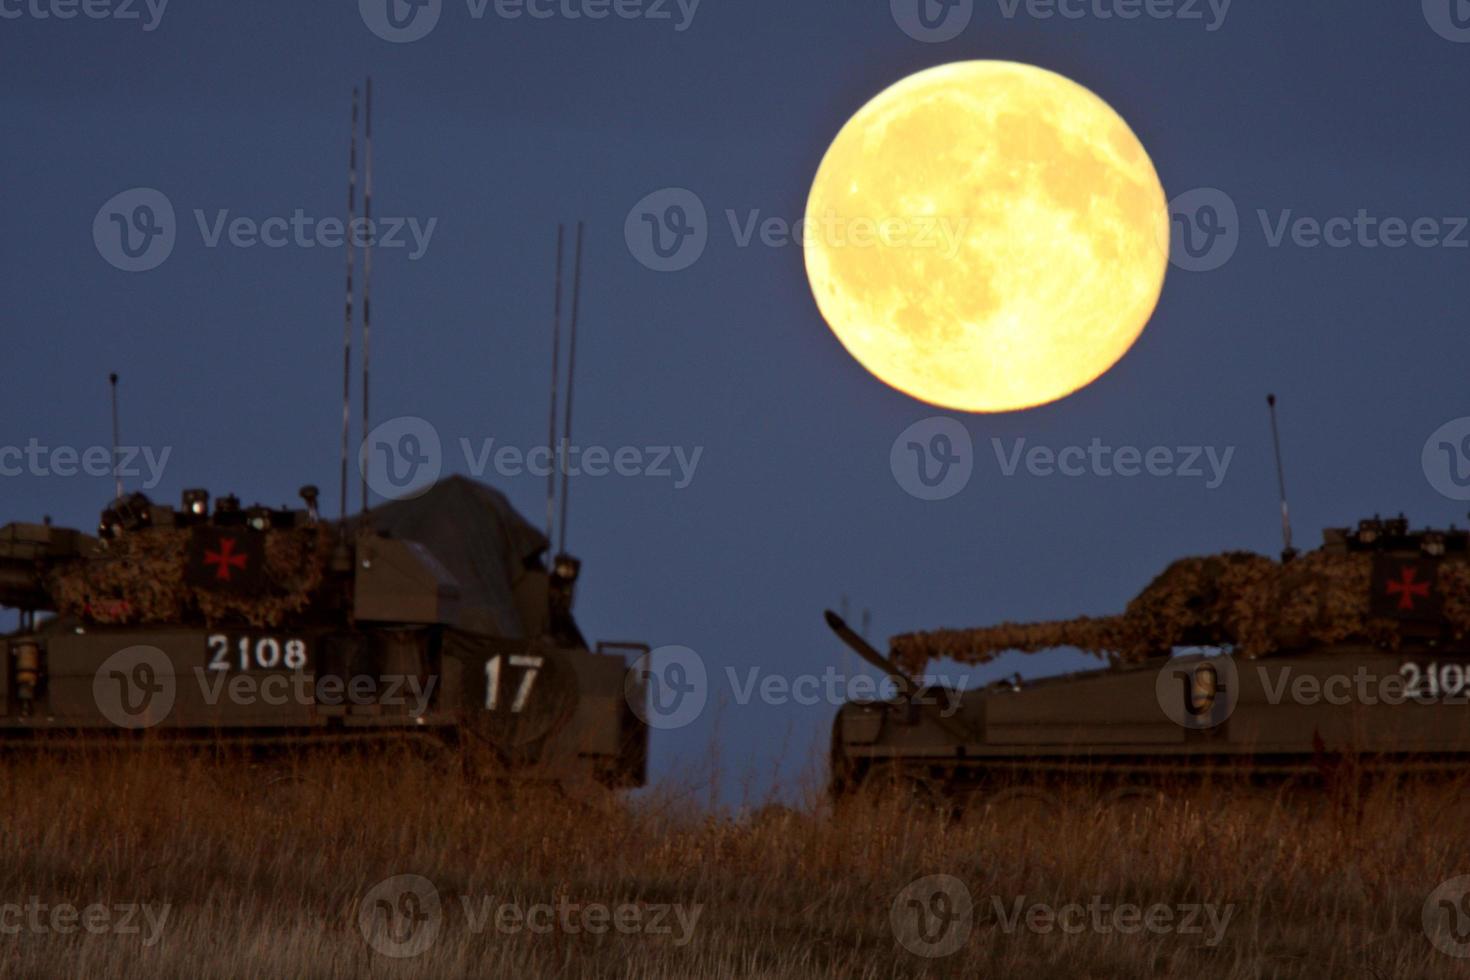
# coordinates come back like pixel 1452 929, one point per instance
pixel 436 619
pixel 1232 664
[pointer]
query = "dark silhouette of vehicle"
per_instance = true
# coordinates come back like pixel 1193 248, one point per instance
pixel 1232 664
pixel 435 620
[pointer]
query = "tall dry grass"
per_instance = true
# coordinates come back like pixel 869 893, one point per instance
pixel 263 869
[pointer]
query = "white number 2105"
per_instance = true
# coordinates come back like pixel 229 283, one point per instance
pixel 532 667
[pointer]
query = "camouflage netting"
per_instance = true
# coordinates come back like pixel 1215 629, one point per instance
pixel 1241 599
pixel 142 578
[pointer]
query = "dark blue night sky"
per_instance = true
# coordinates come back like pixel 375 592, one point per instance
pixel 496 128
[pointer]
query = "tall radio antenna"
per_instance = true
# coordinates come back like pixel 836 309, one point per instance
pixel 367 272
pixel 347 316
pixel 571 381
pixel 1287 552
pixel 116 471
pixel 555 373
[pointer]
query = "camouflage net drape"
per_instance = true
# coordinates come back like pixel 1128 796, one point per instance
pixel 1239 598
pixel 141 578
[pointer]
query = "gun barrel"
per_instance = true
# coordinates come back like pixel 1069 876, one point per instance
pixel 864 649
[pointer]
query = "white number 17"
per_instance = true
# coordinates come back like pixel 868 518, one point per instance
pixel 528 680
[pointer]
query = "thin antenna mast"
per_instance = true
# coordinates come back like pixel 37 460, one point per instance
pixel 571 381
pixel 367 272
pixel 555 373
pixel 347 317
pixel 116 472
pixel 1288 552
pixel 846 653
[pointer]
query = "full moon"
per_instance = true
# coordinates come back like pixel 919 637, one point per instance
pixel 987 236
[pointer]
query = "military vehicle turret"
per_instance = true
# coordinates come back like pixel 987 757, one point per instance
pixel 1232 664
pixel 433 619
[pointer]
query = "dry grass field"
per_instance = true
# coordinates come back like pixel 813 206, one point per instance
pixel 344 867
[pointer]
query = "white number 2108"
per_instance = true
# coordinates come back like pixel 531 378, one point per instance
pixel 532 667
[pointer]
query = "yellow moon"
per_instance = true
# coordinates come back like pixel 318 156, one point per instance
pixel 987 236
